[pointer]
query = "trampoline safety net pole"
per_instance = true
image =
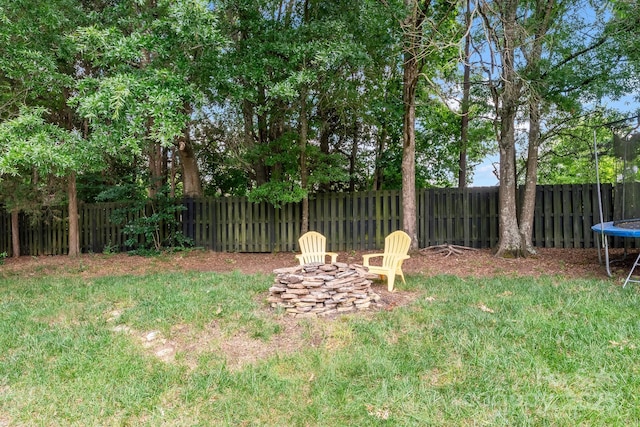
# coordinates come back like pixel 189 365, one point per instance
pixel 603 238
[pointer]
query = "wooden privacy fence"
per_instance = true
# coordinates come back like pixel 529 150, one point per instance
pixel 350 221
pixel 361 221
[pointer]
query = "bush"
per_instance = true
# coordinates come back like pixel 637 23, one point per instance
pixel 152 224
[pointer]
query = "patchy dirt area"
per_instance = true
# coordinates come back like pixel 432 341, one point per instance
pixel 476 263
pixel 241 349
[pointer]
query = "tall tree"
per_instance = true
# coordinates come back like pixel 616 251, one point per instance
pixel 37 70
pixel 537 68
pixel 294 71
pixel 466 95
pixel 429 31
pixel 148 71
pixel 30 147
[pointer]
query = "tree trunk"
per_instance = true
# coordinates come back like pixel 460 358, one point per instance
pixel 544 13
pixel 15 232
pixel 412 46
pixel 466 89
pixel 529 199
pixel 510 240
pixel 303 133
pixel 378 174
pixel 353 158
pixel 409 220
pixel 155 169
pixel 259 169
pixel 74 233
pixel 190 171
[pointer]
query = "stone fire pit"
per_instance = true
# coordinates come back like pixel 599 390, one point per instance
pixel 322 289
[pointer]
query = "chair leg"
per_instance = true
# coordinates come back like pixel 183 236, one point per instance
pixel 390 279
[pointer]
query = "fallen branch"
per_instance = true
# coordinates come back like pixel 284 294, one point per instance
pixel 447 249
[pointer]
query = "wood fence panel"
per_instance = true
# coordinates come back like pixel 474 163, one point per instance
pixel 228 226
pixel 427 211
pixel 449 216
pixel 488 197
pixel 556 233
pixel 359 220
pixel 188 218
pixel 345 241
pixel 350 221
pixel 494 212
pixel 366 206
pixel 294 215
pixel 221 225
pixel 577 238
pixel 339 239
pixel 566 240
pixel 315 215
pixel 334 230
pixel 5 232
pixel 203 222
pixel 421 217
pixel 473 223
pixel 587 216
pixel 387 218
pixel 252 212
pixel 466 218
pixel 213 240
pixel 258 231
pixel 547 212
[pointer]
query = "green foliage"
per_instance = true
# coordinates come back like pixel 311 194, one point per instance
pixel 151 224
pixel 3 256
pixel 28 142
pixel 278 193
pixel 151 69
pixel 34 52
pixel 567 156
pixel 35 158
pixel 438 143
pixel 133 109
pixel 142 73
pixel 325 169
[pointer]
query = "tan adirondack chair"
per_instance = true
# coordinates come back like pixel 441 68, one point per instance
pixel 313 247
pixel 396 248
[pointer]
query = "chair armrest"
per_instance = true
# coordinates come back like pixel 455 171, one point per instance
pixel 334 256
pixel 366 257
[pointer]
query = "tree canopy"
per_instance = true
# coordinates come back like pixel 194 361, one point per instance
pixel 278 100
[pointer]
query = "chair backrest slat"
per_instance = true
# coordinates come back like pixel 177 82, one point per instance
pixel 395 244
pixel 313 247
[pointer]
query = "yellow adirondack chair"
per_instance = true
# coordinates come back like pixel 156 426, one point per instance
pixel 396 248
pixel 313 247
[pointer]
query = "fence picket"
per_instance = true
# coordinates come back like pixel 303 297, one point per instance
pixel 350 221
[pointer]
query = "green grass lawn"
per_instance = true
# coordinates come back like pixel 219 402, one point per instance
pixel 501 351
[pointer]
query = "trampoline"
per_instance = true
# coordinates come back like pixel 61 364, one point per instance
pixel 629 228
pixel 625 154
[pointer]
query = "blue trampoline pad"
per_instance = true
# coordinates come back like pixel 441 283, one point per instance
pixel 623 228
